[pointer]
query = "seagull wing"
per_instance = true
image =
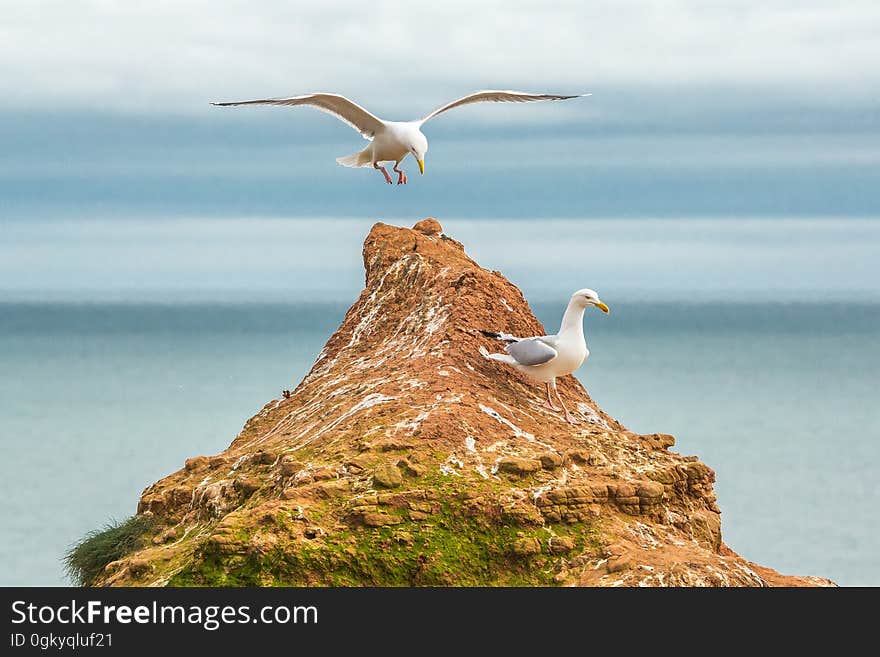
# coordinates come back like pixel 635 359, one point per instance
pixel 339 106
pixel 533 351
pixel 495 96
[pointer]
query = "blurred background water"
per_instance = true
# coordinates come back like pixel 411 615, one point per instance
pixel 127 346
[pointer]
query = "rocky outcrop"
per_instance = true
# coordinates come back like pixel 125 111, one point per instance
pixel 405 458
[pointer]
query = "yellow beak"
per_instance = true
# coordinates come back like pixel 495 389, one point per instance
pixel 601 306
pixel 422 167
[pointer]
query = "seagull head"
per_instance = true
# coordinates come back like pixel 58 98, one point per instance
pixel 588 297
pixel 418 146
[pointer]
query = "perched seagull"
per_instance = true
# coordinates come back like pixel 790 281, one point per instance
pixel 391 141
pixel 546 357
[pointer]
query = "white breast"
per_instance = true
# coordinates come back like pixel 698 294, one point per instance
pixel 569 359
pixel 390 145
pixel 571 356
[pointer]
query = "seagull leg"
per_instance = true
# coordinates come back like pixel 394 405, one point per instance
pixel 401 174
pixel 549 403
pixel 384 172
pixel 568 416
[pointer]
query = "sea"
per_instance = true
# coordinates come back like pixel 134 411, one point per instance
pixel 130 345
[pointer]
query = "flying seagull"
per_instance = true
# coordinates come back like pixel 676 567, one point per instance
pixel 391 141
pixel 546 357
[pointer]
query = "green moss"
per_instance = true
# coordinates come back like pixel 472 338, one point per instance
pixel 453 548
pixel 85 561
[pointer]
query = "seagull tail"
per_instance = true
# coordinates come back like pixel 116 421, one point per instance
pixel 501 358
pixel 361 159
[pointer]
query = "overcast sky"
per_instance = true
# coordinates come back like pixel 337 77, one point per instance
pixel 765 107
pixel 171 56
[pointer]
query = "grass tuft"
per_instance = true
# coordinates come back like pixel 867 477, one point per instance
pixel 85 560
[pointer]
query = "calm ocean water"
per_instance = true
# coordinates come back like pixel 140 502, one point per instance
pixel 774 385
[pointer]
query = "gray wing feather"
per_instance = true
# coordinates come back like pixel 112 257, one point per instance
pixel 341 107
pixel 532 351
pixel 496 96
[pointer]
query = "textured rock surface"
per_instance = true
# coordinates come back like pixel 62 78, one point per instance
pixel 405 458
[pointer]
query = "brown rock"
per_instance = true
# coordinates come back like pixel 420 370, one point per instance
pixel 424 507
pixel 289 465
pixel 394 444
pixel 586 457
pixel 617 563
pixel 387 475
pixel 599 490
pixel 550 461
pixel 412 469
pixel 248 485
pixel 357 464
pixel 518 466
pixel 664 475
pixel 561 544
pixel 552 516
pixel 576 494
pixel 166 536
pixel 138 568
pixel 623 490
pixel 378 519
pixel 527 546
pixel 577 455
pixel 429 226
pixel 649 489
pixel 521 513
pixel 697 471
pixel 322 474
pixel 395 500
pixel 614 549
pixel 196 464
pixel 263 457
pixel 402 537
pixel 334 488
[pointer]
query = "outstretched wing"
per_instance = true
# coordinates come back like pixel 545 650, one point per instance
pixel 339 106
pixel 532 351
pixel 494 96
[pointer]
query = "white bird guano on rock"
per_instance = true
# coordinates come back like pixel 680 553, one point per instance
pixel 391 141
pixel 547 357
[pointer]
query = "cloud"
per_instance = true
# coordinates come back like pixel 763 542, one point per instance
pixel 171 57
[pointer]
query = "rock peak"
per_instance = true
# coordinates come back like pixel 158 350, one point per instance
pixel 406 458
pixel 429 226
